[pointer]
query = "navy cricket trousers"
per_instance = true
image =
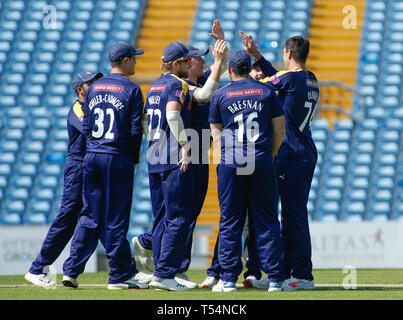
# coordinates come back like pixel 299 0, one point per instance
pixel 258 193
pixel 62 228
pixel 172 200
pixel 107 197
pixel 252 265
pixel 294 183
pixel 200 185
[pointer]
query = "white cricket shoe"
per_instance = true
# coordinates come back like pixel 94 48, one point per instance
pixel 224 286
pixel 143 277
pixel 143 255
pixel 209 282
pixel 41 280
pixel 182 278
pixel 70 282
pixel 247 283
pixel 167 284
pixel 128 284
pixel 298 284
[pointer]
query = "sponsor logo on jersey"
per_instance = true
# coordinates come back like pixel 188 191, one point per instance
pixel 160 88
pixel 275 79
pixel 180 94
pixel 242 93
pixel 108 87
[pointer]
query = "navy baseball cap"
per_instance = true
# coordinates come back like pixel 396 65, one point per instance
pixel 123 49
pixel 240 60
pixel 196 52
pixel 83 77
pixel 177 50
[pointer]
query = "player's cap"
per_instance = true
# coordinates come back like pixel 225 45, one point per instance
pixel 123 49
pixel 83 77
pixel 196 52
pixel 177 50
pixel 239 60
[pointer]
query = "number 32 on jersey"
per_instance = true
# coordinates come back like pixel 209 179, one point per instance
pixel 100 123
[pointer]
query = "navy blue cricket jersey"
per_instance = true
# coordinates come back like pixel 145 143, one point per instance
pixel 77 142
pixel 298 91
pixel 163 148
pixel 245 108
pixel 112 116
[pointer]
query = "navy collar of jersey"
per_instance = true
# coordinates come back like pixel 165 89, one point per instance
pixel 242 80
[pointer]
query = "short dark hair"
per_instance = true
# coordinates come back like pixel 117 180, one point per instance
pixel 115 63
pixel 299 47
pixel 242 70
pixel 255 65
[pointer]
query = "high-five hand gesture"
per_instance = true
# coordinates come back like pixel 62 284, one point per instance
pixel 250 46
pixel 220 52
pixel 217 31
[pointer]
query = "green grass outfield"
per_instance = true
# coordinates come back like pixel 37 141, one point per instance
pixel 372 284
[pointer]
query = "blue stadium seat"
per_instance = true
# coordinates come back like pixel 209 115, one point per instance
pixel 354 211
pixel 30 157
pixel 16 194
pixel 328 211
pixel 141 218
pixel 47 181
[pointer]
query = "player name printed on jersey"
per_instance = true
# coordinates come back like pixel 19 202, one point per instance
pixel 106 98
pixel 313 95
pixel 244 104
pixel 154 99
pixel 247 103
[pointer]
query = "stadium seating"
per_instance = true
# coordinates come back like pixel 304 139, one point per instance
pixel 359 175
pixel 380 65
pixel 37 64
pixel 266 21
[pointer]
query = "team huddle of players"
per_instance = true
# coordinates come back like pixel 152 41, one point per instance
pixel 259 123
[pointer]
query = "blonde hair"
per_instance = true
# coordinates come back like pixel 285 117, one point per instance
pixel 166 66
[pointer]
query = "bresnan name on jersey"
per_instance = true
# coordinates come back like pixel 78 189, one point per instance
pixel 245 104
pixel 106 98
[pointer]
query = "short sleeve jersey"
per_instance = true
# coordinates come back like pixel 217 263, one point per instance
pixel 112 116
pixel 298 91
pixel 77 141
pixel 245 108
pixel 163 147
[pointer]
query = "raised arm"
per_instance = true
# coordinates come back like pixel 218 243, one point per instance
pixel 252 49
pixel 220 53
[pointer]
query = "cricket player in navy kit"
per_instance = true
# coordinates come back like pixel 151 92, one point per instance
pixel 112 123
pixel 201 86
pixel 252 263
pixel 62 228
pixel 246 118
pixel 296 160
pixel 168 111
